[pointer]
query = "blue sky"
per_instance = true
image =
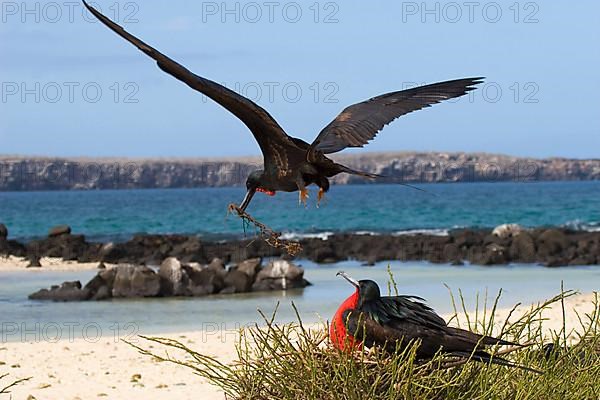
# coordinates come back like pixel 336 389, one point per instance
pixel 71 87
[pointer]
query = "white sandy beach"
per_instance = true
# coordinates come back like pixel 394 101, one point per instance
pixel 109 368
pixel 12 263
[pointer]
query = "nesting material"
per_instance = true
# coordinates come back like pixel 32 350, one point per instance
pixel 271 237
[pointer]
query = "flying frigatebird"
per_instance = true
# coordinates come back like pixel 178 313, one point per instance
pixel 369 319
pixel 291 164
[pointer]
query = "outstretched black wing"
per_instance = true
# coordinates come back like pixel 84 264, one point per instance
pixel 271 138
pixel 360 123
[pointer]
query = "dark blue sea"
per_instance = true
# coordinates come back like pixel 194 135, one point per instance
pixel 104 215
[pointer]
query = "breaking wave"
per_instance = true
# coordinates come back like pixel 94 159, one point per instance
pixel 579 225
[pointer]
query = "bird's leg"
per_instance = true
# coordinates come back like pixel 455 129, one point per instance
pixel 320 196
pixel 303 196
pixel 303 191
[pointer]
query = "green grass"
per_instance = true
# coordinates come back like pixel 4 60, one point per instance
pixel 292 361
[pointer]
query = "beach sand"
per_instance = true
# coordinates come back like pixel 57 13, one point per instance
pixel 12 263
pixel 109 368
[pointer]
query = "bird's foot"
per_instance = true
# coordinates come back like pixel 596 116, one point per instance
pixel 320 196
pixel 303 197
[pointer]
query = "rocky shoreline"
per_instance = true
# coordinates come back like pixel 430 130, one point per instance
pixel 186 265
pixel 506 244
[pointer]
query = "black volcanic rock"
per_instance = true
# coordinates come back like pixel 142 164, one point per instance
pixel 452 254
pixel 174 280
pixel 465 238
pixel 191 250
pixel 250 267
pixel 495 254
pixel 548 246
pixel 153 249
pixel 108 276
pixel 103 293
pixel 12 247
pixel 280 275
pixel 3 231
pixel 522 248
pixel 67 291
pixel 100 287
pixel 325 254
pixel 218 266
pixel 65 246
pixel 409 248
pixel 135 281
pixel 59 230
pixel 552 242
pixel 437 250
pixel 206 281
pixel 237 282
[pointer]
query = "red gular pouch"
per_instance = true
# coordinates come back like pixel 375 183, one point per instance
pixel 340 338
pixel 265 191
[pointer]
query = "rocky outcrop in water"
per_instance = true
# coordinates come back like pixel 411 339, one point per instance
pixel 67 291
pixel 175 279
pixel 29 173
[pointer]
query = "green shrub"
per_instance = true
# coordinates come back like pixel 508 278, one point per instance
pixel 292 361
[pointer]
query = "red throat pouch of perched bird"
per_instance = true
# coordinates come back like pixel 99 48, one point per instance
pixel 337 330
pixel 265 191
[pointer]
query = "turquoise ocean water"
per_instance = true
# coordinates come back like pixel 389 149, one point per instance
pixel 378 208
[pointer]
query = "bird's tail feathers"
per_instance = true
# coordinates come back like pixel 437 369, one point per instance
pixel 479 340
pixel 349 170
pixel 485 357
pixel 369 175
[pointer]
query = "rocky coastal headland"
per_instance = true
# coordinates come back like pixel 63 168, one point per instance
pixel 39 173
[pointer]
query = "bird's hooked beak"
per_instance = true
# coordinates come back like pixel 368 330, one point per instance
pixel 353 281
pixel 247 199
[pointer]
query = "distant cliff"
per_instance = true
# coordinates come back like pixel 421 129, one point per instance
pixel 37 173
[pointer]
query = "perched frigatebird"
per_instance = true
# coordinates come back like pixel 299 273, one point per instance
pixel 392 322
pixel 290 163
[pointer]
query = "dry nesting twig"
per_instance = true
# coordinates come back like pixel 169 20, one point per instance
pixel 6 390
pixel 271 237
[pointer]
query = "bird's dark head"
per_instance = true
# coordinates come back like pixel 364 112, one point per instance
pixel 254 180
pixel 368 290
pixel 254 183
